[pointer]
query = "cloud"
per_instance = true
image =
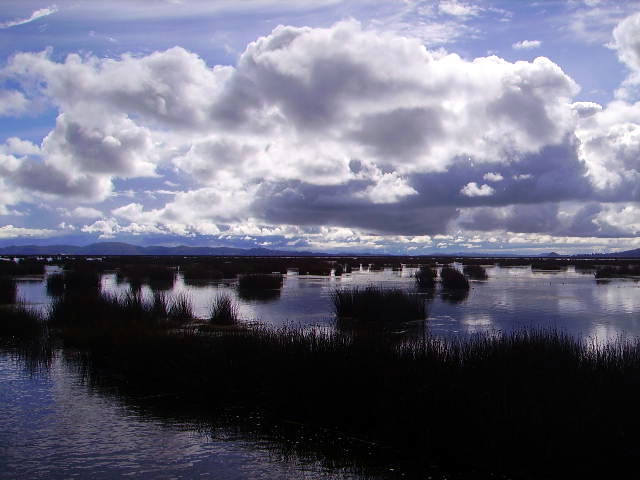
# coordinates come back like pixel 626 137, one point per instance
pixel 526 45
pixel 472 189
pixel 40 13
pixel 458 9
pixel 343 128
pixel 83 212
pixel 493 177
pixel 9 231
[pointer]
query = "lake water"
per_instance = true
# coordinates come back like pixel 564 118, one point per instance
pixel 512 298
pixel 54 426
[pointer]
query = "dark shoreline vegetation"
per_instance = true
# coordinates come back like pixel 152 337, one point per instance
pixel 532 404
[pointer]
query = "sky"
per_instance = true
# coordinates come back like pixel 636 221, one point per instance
pixel 386 126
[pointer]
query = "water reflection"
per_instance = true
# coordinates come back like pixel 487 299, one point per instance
pixel 55 427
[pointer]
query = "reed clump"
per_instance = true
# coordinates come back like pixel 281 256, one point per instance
pixel 376 304
pixel 180 310
pixel 224 311
pixel 55 284
pixel 453 279
pixel 475 272
pixel 425 277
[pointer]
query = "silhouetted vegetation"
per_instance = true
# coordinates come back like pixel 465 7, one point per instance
pixel 453 279
pixel 488 403
pixel 194 273
pixel 260 286
pixel 55 284
pixel 613 271
pixel 158 277
pixel 475 272
pixel 549 265
pixel 20 322
pixel 180 310
pixel 426 277
pixel 23 267
pixel 8 289
pixel 376 304
pixel 224 311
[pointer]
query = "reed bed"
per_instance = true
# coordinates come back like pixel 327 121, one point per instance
pixel 613 271
pixel 260 281
pixel 55 284
pixel 23 267
pixel 376 304
pixel 260 286
pixel 483 402
pixel 20 322
pixel 8 290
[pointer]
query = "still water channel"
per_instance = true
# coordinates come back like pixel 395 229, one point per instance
pixel 54 426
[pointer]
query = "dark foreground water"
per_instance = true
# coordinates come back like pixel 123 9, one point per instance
pixel 53 426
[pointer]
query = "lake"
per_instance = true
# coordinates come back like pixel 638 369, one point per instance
pixel 56 426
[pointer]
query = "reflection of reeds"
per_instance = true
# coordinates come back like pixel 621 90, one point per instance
pixel 378 304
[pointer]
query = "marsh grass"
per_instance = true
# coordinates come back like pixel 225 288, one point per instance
pixel 376 304
pixel 224 310
pixel 8 289
pixel 453 279
pixel 180 310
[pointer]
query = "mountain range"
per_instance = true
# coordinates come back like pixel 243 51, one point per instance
pixel 119 248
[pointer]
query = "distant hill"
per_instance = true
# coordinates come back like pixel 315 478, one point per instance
pixel 118 248
pixel 635 253
pixel 549 255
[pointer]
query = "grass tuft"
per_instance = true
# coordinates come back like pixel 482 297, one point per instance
pixel 224 311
